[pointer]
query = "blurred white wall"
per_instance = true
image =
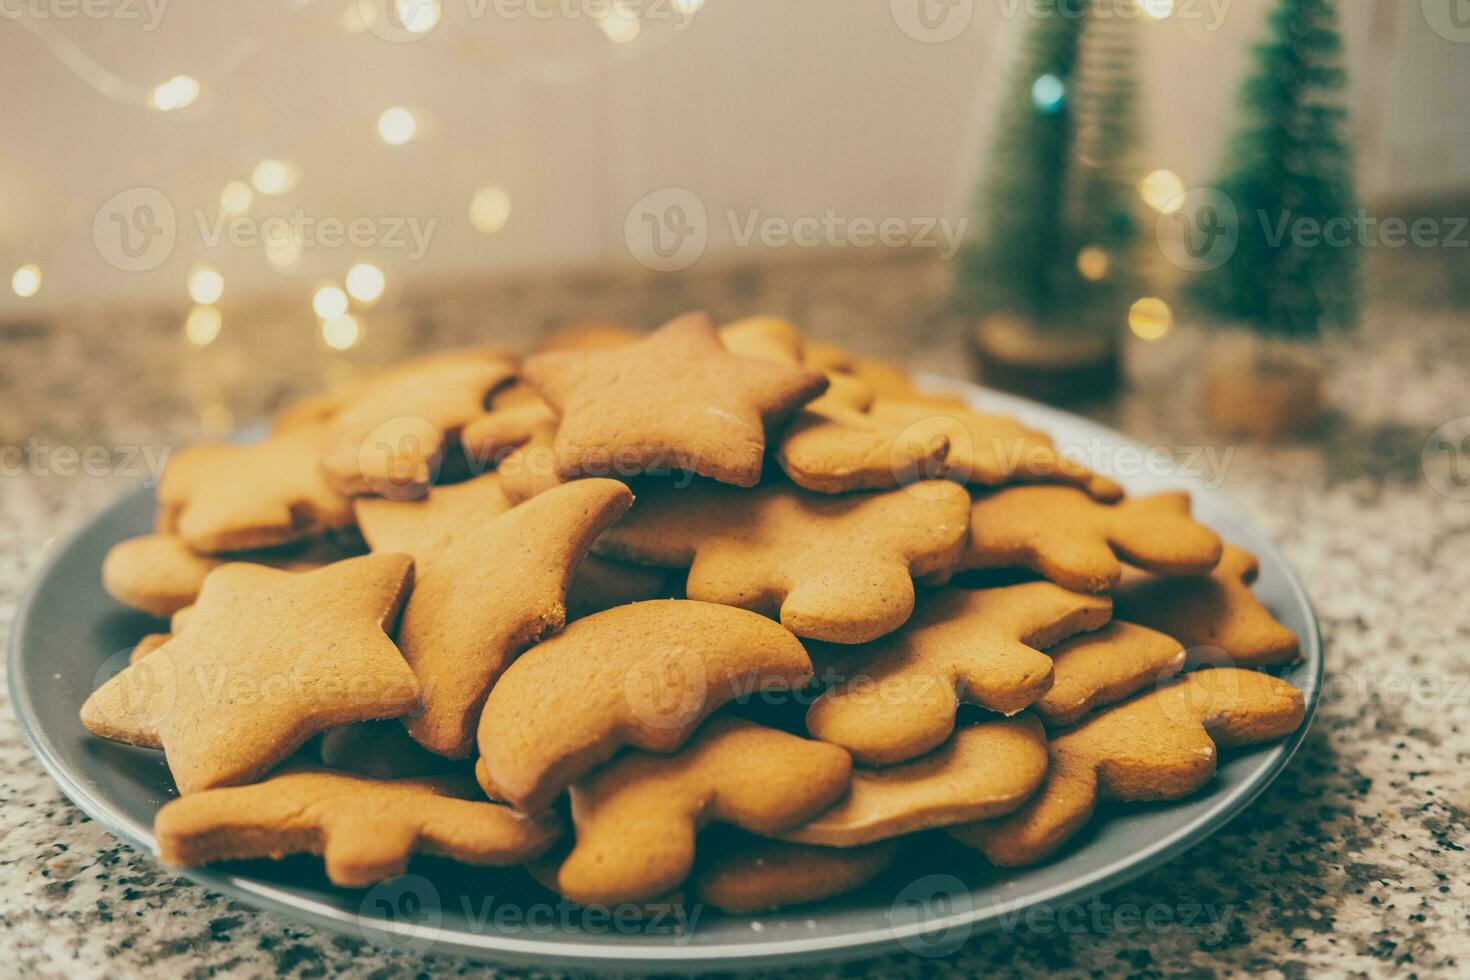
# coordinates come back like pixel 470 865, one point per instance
pixel 764 108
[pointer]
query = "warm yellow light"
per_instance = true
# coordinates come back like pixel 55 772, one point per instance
pixel 365 282
pixel 1162 190
pixel 27 281
pixel 396 126
pixel 621 24
pixel 490 209
pixel 1093 263
pixel 417 16
pixel 341 332
pixel 205 284
pixel 282 254
pixel 688 6
pixel 175 93
pixel 1156 9
pixel 358 16
pixel 202 325
pixel 235 198
pixel 329 302
pixel 1150 318
pixel 273 176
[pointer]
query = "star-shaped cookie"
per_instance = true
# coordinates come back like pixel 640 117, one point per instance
pixel 269 659
pixel 490 582
pixel 836 568
pixel 224 497
pixel 366 829
pixel 675 400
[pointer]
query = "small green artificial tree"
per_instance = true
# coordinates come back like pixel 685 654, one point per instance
pixel 1289 167
pixel 1056 181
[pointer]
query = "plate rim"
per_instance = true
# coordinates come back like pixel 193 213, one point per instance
pixel 549 952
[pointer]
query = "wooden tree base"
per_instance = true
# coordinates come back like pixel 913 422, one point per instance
pixel 1253 392
pixel 1052 366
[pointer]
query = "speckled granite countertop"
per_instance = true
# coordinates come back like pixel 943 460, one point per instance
pixel 1353 863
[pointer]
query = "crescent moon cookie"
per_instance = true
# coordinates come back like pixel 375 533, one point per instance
pixel 268 659
pixel 491 581
pixel 636 818
pixel 1077 542
pixel 897 696
pixel 830 568
pixel 1158 746
pixel 675 400
pixel 365 829
pixel 644 675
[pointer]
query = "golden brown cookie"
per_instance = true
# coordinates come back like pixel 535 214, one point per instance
pixel 1065 535
pixel 898 695
pixel 159 574
pixel 490 582
pixel 768 338
pixel 676 400
pixel 636 818
pixel 589 335
pixel 149 643
pixel 983 771
pixel 1105 667
pixel 644 675
pixel 381 750
pixel 763 875
pixel 268 659
pixel 830 568
pixel 227 497
pixel 389 440
pixel 365 829
pixel 839 453
pixel 520 443
pixel 836 450
pixel 1216 616
pixel 1158 746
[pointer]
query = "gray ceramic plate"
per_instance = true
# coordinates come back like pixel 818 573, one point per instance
pixel 69 633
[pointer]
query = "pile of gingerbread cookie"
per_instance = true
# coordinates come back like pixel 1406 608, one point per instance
pixel 718 613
